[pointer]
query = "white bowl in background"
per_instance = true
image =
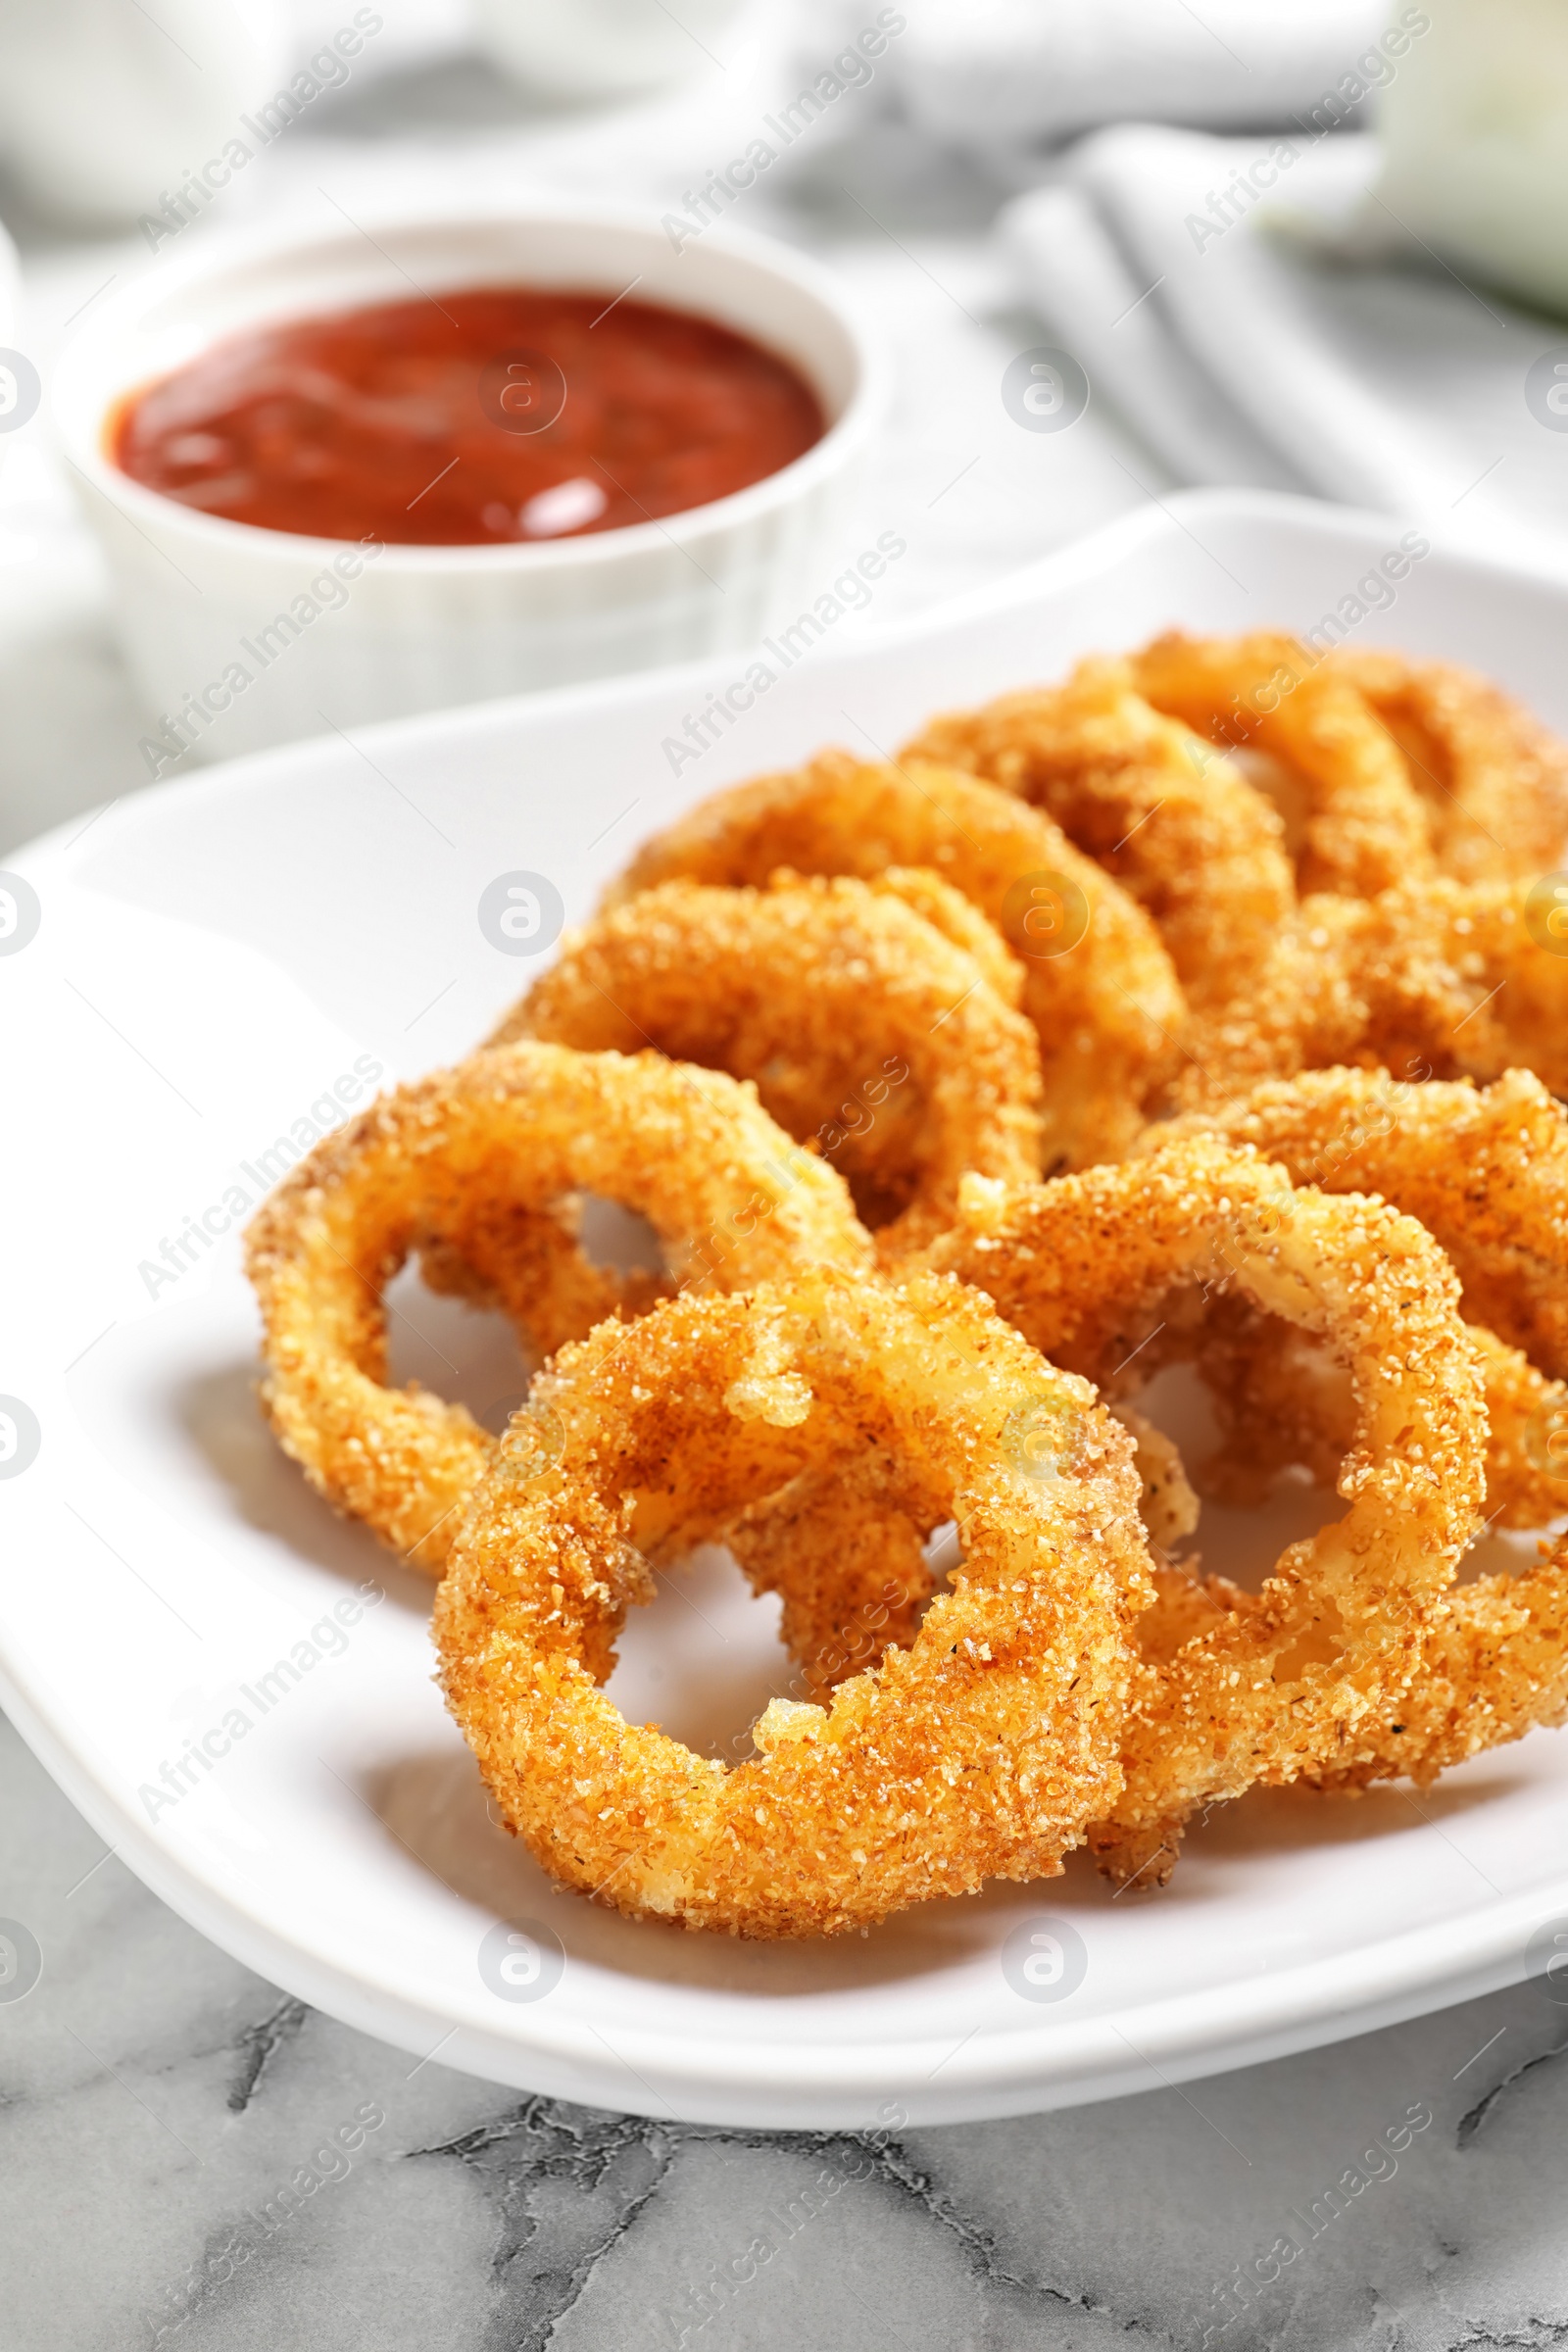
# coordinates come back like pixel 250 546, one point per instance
pixel 422 627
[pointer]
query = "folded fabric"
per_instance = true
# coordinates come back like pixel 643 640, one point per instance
pixel 1195 281
pixel 979 72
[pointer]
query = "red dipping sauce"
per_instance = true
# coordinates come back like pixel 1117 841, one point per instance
pixel 502 414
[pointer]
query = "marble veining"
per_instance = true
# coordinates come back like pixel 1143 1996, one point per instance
pixel 191 2159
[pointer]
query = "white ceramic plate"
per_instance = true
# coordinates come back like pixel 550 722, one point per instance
pixel 212 957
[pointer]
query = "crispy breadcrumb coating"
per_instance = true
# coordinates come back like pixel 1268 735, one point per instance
pixel 1494 780
pixel 1354 819
pixel 1098 984
pixel 1153 802
pixel 869 1033
pixel 980 1752
pixel 1092 1270
pixel 489 1157
pixel 1487 1173
pixel 1436 980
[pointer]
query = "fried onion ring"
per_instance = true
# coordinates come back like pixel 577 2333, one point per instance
pixel 980 1752
pixel 1281 1398
pixel 489 1158
pixel 1493 779
pixel 1098 984
pixel 1485 1169
pixel 1495 1665
pixel 849 1565
pixel 1438 980
pixel 860 1023
pixel 1486 1175
pixel 847 1561
pixel 1093 1269
pixel 1151 802
pixel 1352 817
pixel 947 909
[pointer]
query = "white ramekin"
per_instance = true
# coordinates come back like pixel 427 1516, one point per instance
pixel 200 598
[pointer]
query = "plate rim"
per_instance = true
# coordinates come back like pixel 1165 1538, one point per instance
pixel 825 2084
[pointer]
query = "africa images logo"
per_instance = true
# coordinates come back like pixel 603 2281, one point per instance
pixel 1044 1958
pixel 522 1960
pixel 521 913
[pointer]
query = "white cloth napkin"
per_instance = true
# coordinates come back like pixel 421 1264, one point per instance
pixel 1001 74
pixel 1243 349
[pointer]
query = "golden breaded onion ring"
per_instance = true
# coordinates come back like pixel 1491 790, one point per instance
pixel 1485 1169
pixel 488 1157
pixel 957 919
pixel 1436 980
pixel 1177 824
pixel 1098 984
pixel 1494 780
pixel 1353 819
pixel 863 1027
pixel 1486 1175
pixel 1494 1666
pixel 847 1562
pixel 979 1752
pixel 1093 1269
pixel 1281 1399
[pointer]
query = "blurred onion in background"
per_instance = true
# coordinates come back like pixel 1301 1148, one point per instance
pixel 1475 142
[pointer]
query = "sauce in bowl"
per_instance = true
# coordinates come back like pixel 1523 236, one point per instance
pixel 497 414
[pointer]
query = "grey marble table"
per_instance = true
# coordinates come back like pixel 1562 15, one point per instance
pixel 188 2157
